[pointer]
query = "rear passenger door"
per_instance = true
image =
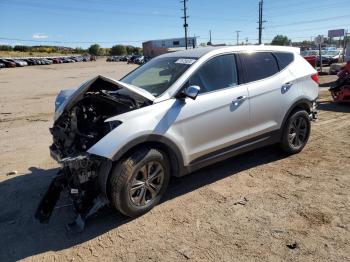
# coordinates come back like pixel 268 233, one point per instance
pixel 271 88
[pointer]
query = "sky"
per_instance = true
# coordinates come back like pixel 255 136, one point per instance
pixel 80 23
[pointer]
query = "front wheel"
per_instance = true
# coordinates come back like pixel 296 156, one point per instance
pixel 296 132
pixel 138 183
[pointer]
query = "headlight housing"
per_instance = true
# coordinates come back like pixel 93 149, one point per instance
pixel 62 97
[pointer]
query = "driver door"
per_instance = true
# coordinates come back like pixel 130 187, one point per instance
pixel 219 117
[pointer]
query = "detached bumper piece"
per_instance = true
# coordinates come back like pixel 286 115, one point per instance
pixel 48 202
pixel 78 176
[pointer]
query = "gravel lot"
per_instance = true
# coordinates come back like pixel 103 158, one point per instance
pixel 297 208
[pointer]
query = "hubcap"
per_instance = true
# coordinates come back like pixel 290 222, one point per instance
pixel 146 184
pixel 298 132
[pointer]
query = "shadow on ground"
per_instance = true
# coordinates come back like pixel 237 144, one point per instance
pixel 22 236
pixel 333 106
pixel 328 84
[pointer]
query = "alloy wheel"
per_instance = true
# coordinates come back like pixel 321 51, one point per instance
pixel 298 132
pixel 146 184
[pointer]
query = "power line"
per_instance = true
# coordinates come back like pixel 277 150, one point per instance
pixel 71 42
pixel 237 34
pixel 311 21
pixel 301 9
pixel 185 19
pixel 261 21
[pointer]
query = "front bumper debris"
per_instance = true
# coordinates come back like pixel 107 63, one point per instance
pixel 80 177
pixel 48 202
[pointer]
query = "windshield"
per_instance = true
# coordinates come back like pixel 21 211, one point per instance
pixel 309 53
pixel 331 53
pixel 159 74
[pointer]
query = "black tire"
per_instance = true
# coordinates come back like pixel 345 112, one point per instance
pixel 296 132
pixel 128 194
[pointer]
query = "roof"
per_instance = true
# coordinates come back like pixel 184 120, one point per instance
pixel 201 51
pixel 170 39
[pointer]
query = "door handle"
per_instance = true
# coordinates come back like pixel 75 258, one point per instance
pixel 239 99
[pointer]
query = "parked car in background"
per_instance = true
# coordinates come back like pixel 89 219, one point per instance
pixel 8 63
pixel 124 58
pixel 335 68
pixel 30 61
pixel 113 59
pixel 326 60
pixel 119 142
pixel 2 65
pixel 19 63
pixel 334 56
pixel 310 56
pixel 139 60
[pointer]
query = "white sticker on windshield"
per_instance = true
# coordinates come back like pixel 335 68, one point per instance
pixel 185 61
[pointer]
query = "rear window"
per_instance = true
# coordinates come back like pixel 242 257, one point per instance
pixel 259 65
pixel 284 59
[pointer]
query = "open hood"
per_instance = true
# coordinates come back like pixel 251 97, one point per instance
pixel 68 99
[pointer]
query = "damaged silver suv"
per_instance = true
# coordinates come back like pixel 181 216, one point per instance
pixel 119 142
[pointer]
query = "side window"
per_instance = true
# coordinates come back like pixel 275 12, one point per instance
pixel 217 73
pixel 284 59
pixel 259 65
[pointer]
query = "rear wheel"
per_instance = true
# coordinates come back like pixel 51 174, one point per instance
pixel 296 132
pixel 138 183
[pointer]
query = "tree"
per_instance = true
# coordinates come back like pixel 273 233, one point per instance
pixel 137 50
pixel 21 48
pixel 281 40
pixel 6 48
pixel 129 49
pixel 118 50
pixel 78 50
pixel 94 49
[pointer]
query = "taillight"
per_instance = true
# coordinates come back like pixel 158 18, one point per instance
pixel 315 78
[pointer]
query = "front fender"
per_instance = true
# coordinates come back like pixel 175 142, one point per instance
pixel 155 123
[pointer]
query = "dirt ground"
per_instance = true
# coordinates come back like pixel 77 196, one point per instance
pixel 297 208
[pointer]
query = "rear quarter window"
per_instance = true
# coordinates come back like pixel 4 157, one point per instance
pixel 284 59
pixel 259 65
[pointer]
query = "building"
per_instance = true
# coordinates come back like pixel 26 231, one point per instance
pixel 154 48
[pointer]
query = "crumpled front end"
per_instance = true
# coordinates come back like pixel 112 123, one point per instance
pixel 80 122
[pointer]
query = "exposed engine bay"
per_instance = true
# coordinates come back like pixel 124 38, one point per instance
pixel 80 124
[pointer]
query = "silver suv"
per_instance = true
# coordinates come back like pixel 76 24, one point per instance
pixel 119 142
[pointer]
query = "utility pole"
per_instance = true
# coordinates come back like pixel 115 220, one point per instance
pixel 237 34
pixel 185 19
pixel 209 43
pixel 261 21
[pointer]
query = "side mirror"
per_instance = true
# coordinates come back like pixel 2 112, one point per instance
pixel 192 92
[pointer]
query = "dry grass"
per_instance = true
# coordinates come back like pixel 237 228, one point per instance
pixel 26 54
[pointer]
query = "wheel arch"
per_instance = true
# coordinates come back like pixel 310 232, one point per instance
pixel 302 104
pixel 158 142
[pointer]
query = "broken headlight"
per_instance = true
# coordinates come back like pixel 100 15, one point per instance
pixel 62 96
pixel 114 124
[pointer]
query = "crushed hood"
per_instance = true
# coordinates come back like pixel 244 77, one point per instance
pixel 74 95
